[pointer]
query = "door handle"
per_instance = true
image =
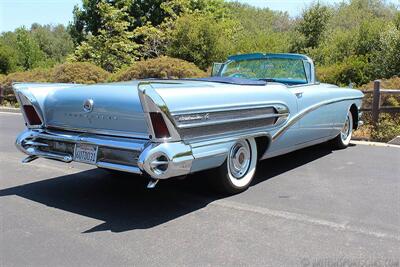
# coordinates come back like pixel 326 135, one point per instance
pixel 299 94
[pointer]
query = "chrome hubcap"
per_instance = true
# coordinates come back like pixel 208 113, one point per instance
pixel 346 129
pixel 239 159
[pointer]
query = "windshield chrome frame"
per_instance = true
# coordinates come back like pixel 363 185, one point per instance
pixel 306 60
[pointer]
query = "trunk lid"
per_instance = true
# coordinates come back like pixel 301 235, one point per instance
pixel 102 108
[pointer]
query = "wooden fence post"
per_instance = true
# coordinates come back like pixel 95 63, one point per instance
pixel 376 101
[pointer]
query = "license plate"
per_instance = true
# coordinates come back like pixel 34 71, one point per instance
pixel 85 153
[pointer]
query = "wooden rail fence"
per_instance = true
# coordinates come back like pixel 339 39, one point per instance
pixel 376 107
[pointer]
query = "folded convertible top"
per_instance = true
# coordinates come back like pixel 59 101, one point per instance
pixel 231 80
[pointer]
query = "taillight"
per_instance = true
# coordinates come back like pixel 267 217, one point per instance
pixel 159 126
pixel 31 115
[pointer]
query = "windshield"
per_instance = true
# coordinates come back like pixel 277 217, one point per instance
pixel 291 71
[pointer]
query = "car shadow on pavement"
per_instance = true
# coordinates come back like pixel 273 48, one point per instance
pixel 123 203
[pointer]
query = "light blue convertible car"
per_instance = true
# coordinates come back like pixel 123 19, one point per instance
pixel 256 106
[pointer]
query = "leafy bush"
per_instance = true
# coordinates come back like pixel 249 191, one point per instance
pixel 79 72
pixel 37 75
pixel 354 69
pixel 162 67
pixel 65 73
pixel 387 128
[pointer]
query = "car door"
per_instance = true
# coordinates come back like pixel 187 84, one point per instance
pixel 316 123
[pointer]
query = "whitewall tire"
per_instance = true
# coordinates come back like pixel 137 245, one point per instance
pixel 344 137
pixel 238 171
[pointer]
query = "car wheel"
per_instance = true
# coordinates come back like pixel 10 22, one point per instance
pixel 236 174
pixel 344 137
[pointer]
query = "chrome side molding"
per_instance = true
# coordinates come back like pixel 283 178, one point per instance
pixel 304 112
pixel 227 115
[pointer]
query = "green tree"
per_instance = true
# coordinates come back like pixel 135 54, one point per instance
pixel 351 14
pixel 259 30
pixel 8 59
pixel 54 41
pixel 367 37
pixel 113 47
pixel 29 51
pixel 386 61
pixel 397 20
pixel 358 43
pixel 88 20
pixel 311 27
pixel 154 40
pixel 155 36
pixel 201 39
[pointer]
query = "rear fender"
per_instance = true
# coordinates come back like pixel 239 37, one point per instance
pixel 35 94
pixel 152 102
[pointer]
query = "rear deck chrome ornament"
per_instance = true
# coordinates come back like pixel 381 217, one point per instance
pixel 88 105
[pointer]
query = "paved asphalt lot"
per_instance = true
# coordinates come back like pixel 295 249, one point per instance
pixel 314 206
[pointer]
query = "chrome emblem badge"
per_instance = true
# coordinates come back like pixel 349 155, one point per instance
pixel 88 105
pixel 194 117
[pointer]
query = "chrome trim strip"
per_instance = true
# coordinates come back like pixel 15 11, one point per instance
pixel 227 139
pixel 101 132
pixel 118 143
pixel 137 145
pixel 281 109
pixel 304 112
pixel 217 122
pixel 304 85
pixel 294 147
pixel 118 167
pixel 259 105
pixel 64 157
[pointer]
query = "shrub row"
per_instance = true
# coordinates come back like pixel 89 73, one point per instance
pixel 66 73
pixel 87 73
pixel 354 69
pixel 162 68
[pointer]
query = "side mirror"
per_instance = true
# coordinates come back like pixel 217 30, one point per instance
pixel 216 67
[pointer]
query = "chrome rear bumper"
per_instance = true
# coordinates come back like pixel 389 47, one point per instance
pixel 139 156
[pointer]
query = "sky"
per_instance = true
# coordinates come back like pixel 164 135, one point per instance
pixel 16 13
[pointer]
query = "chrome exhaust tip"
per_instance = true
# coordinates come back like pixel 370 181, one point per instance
pixel 166 160
pixel 29 159
pixel 152 183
